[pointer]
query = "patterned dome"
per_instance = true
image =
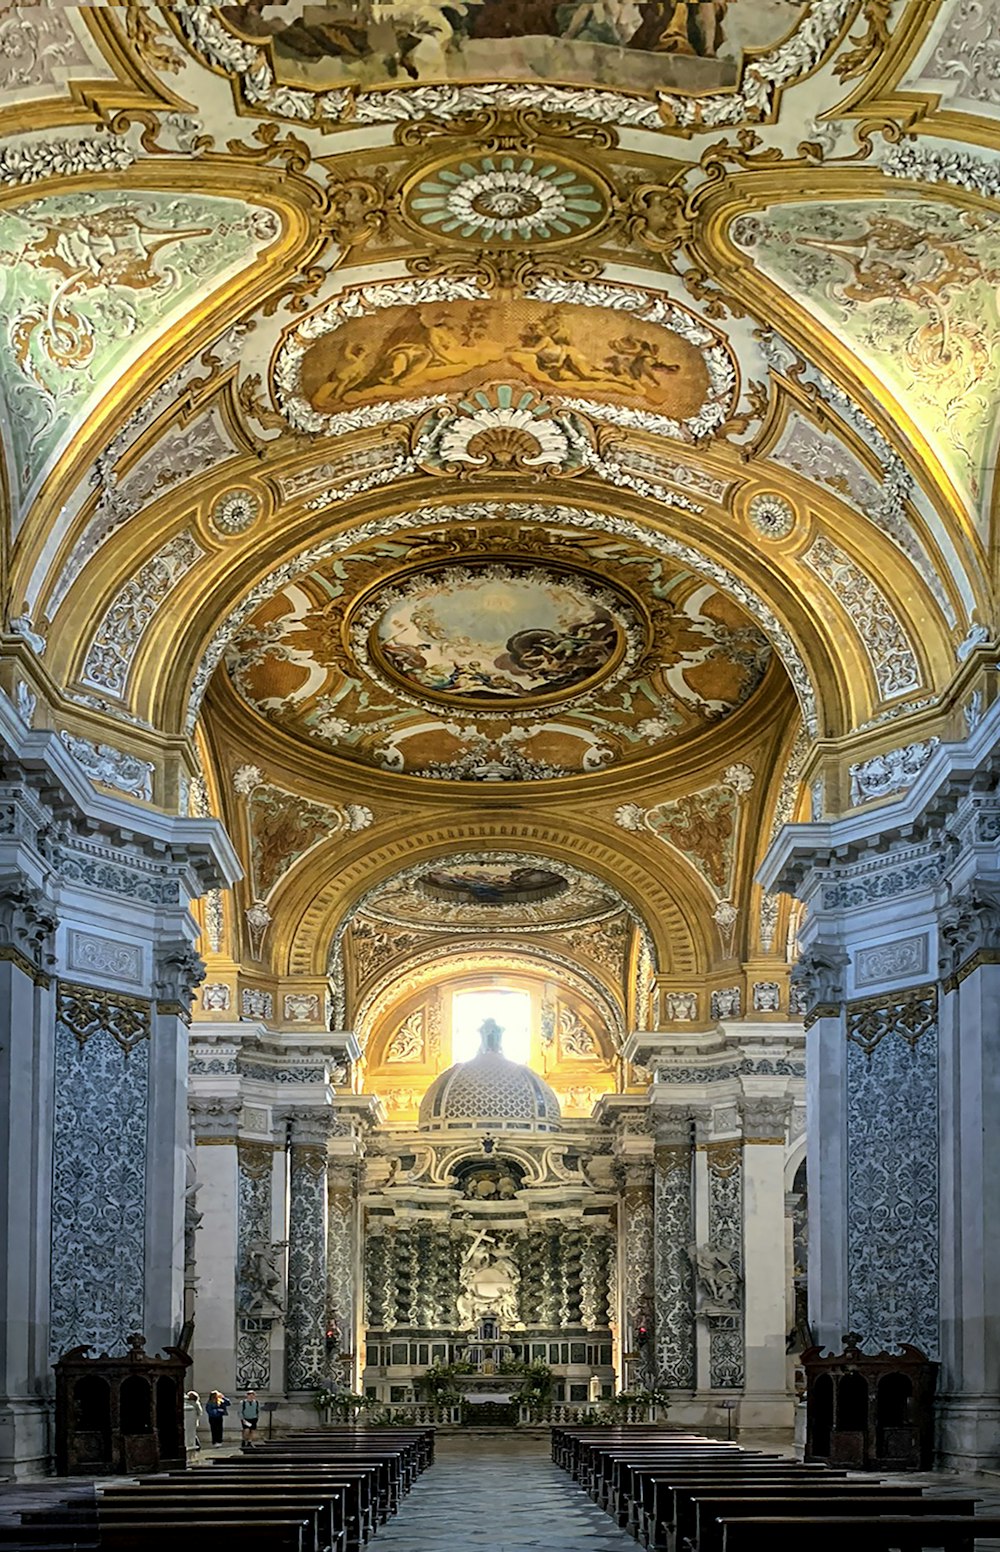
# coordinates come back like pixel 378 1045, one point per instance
pixel 492 1091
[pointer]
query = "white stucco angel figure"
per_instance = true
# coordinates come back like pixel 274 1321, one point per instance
pixel 489 1278
pixel 717 1277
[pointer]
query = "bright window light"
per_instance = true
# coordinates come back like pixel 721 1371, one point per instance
pixel 512 1011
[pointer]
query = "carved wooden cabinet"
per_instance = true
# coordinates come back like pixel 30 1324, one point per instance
pixel 119 1415
pixel 873 1412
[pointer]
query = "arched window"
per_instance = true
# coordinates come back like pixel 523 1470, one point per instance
pixel 510 1008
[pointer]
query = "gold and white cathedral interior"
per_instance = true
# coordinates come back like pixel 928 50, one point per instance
pixel 499 872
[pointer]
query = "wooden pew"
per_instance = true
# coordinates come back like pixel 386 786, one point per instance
pixel 849 1501
pixel 657 1491
pixel 275 1535
pixel 884 1533
pixel 128 1502
pixel 359 1488
pixel 312 1514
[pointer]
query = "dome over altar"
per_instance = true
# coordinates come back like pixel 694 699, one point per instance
pixel 489 1090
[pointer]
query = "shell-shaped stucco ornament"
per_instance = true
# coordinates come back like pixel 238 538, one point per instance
pixel 504 428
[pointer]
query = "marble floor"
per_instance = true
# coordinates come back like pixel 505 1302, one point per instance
pixel 498 1493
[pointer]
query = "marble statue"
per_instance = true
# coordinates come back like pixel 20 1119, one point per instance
pixel 719 1281
pixel 489 1279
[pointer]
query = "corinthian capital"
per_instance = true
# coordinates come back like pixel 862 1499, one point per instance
pixel 765 1118
pixel 178 971
pixel 27 919
pixel 970 924
pixel 819 975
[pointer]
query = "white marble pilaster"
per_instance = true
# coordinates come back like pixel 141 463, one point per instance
pixel 766 1401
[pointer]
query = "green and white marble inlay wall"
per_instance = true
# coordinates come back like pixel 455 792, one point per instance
pixel 87 283
pixel 910 286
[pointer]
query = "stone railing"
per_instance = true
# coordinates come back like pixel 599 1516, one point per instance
pixel 424 1412
pixel 579 1411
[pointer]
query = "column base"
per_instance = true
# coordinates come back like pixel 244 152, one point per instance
pixel 968 1432
pixel 25 1437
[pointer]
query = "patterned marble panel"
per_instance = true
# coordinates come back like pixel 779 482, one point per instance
pixel 305 1326
pixel 674 1232
pixel 725 1232
pixel 892 1173
pixel 253 1348
pixel 98 1169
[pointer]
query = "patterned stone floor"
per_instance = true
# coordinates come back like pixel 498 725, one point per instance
pixel 498 1493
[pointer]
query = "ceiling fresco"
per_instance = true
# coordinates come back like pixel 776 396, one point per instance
pixel 502 669
pixel 911 285
pixel 377 347
pixel 92 279
pixel 503 457
pixel 499 890
pixel 663 44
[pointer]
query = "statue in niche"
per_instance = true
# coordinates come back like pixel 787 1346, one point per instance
pixel 261 1280
pixel 489 1279
pixel 718 1279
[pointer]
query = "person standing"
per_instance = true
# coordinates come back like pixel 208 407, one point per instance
pixel 192 1417
pixel 249 1417
pixel 218 1406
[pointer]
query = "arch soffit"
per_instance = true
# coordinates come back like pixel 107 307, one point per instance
pixel 833 685
pixel 485 956
pixel 311 906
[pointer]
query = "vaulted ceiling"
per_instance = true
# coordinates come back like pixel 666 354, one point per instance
pixel 484 440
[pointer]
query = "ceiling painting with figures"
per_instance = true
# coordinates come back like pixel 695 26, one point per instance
pixel 693 45
pixel 573 351
pixel 505 461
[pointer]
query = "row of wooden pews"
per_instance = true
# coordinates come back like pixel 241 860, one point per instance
pixel 680 1492
pixel 327 1491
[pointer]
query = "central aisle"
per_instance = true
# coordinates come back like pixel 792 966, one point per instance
pixel 498 1493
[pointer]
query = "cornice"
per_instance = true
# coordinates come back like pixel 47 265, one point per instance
pixel 201 843
pixel 952 770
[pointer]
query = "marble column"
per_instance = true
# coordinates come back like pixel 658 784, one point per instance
pixel 306 1320
pixel 969 1389
pixel 673 1235
pixel 27 995
pixel 766 1401
pixel 260 1295
pixel 636 1285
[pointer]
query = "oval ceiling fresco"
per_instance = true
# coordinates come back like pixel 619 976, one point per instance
pixel 496 635
pixel 498 890
pixel 587 652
